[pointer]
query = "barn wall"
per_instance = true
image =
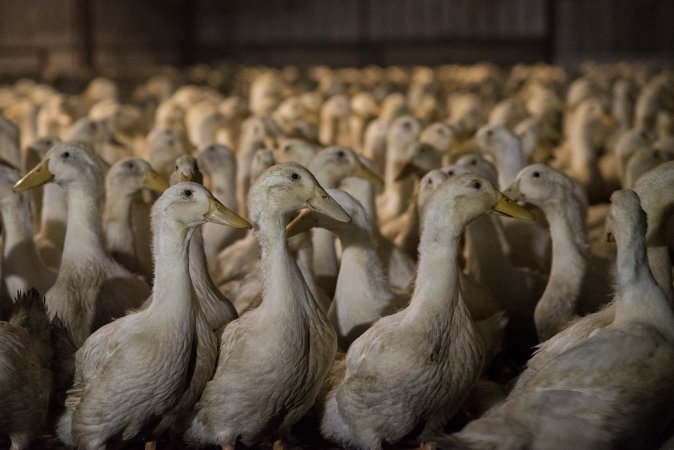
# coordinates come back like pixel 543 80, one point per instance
pixel 51 36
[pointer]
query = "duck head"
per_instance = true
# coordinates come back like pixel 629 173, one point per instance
pixel 475 163
pixel 130 175
pixel 64 164
pixel 190 204
pixel 309 218
pixel 462 198
pixel 287 187
pixel 336 163
pixel 543 186
pixel 186 169
pixel 216 158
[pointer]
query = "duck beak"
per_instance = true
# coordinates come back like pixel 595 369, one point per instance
pixel 508 207
pixel 155 182
pixel 36 177
pixel 184 177
pixel 324 204
pixel 364 172
pixel 219 213
pixel 304 221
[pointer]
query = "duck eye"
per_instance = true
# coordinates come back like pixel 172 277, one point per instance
pixel 450 173
pixel 340 154
pixel 129 165
pixel 429 182
pixel 536 174
pixel 477 184
pixel 295 176
pixel 65 155
pixel 187 192
pixel 473 162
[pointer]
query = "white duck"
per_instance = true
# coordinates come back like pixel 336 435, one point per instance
pixel 399 375
pixel 331 166
pixel 585 397
pixel 273 359
pixel 91 288
pixel 136 368
pixel 218 163
pixel 123 181
pixel 22 268
pixel 362 294
pixel 578 281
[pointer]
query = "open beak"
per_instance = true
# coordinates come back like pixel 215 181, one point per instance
pixel 508 207
pixel 38 176
pixel 155 182
pixel 219 213
pixel 324 204
pixel 304 221
pixel 364 172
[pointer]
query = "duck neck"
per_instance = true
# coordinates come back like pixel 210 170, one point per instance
pixel 17 227
pixel 283 281
pixel 223 187
pixel 583 158
pixel 84 233
pixel 658 255
pixel 117 217
pixel 436 292
pixel 558 303
pixel 510 160
pixel 172 293
pixel 361 270
pixel 639 298
pixel 54 214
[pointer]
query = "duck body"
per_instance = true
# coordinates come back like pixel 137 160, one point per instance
pixel 582 394
pixel 400 374
pixel 91 288
pixel 133 371
pixel 273 359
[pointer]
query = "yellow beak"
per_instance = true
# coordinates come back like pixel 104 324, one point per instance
pixel 219 213
pixel 324 204
pixel 155 182
pixel 364 172
pixel 508 207
pixel 304 221
pixel 36 177
pixel 184 177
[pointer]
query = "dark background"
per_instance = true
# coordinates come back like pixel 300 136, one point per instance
pixel 49 36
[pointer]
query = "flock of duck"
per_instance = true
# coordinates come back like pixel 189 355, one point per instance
pixel 454 257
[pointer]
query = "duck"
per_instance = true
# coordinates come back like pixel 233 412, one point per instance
pixel 585 397
pixel 362 293
pixel 331 166
pixel 527 243
pixel 252 397
pixel 403 131
pixel 25 369
pixel 124 180
pixel 218 311
pixel 91 288
pixel 389 391
pixel 22 268
pixel 218 163
pixel 53 208
pixel 578 282
pixel 152 347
